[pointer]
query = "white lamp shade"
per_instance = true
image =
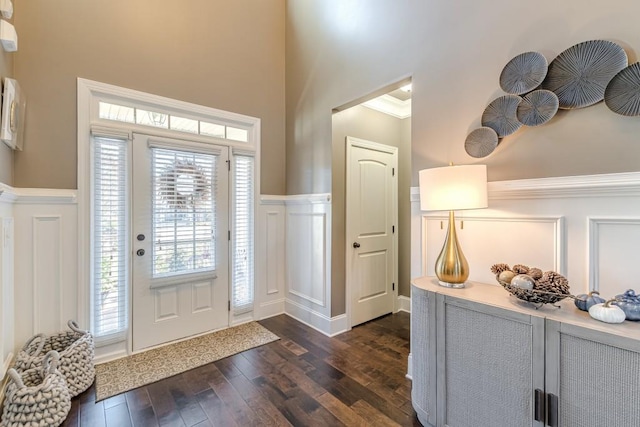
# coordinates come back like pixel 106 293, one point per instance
pixel 453 188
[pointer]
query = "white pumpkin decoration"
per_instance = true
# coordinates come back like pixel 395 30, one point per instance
pixel 605 312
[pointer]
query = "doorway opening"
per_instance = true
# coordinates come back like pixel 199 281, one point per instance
pixel 382 118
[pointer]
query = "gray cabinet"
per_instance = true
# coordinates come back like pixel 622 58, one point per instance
pixel 483 358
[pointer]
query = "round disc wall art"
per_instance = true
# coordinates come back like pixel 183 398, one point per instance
pixel 537 107
pixel 622 95
pixel 523 73
pixel 481 142
pixel 500 115
pixel 580 74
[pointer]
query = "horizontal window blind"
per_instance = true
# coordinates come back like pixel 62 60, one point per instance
pixel 110 261
pixel 184 206
pixel 243 230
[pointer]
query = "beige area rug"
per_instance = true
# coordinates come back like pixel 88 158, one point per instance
pixel 140 369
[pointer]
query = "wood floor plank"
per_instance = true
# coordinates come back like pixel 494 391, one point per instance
pixel 372 415
pixel 215 409
pixel 92 414
pixel 341 411
pixel 304 379
pixel 238 408
pixel 186 402
pixel 140 408
pixel 266 411
pixel 118 415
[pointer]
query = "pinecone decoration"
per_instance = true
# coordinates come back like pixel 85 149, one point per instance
pixel 520 269
pixel 535 273
pixel 499 268
pixel 552 282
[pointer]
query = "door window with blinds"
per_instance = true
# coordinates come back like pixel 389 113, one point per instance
pixel 184 206
pixel 242 243
pixel 110 231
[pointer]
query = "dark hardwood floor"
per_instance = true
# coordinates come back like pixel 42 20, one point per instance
pixel 303 379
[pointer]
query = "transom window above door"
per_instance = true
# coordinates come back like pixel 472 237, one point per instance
pixel 157 119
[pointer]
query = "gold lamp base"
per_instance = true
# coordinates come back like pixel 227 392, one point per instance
pixel 452 268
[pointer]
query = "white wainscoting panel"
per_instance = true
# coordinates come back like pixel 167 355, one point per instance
pixel 585 227
pixel 6 293
pixel 7 316
pixel 270 257
pixel 46 263
pixel 486 240
pixel 614 242
pixel 308 247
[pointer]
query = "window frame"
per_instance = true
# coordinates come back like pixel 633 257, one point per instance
pixel 89 94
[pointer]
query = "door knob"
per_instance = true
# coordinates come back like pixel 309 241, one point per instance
pixel 140 252
pixel 356 245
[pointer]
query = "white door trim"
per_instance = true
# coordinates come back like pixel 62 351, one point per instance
pixel 352 142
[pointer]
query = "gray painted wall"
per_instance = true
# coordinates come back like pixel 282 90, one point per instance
pixel 338 51
pixel 364 123
pixel 222 54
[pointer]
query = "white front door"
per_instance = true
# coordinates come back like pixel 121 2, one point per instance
pixel 180 247
pixel 371 236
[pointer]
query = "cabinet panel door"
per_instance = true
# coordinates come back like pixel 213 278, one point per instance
pixel 595 375
pixel 490 362
pixel 423 355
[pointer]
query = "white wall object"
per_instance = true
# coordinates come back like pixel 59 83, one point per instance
pixel 13 112
pixel 6 9
pixel 8 36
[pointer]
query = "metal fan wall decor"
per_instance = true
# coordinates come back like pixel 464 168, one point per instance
pixel 537 107
pixel 481 142
pixel 580 74
pixel 622 95
pixel 500 115
pixel 523 73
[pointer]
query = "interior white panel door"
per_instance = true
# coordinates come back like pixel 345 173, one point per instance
pixel 371 218
pixel 180 247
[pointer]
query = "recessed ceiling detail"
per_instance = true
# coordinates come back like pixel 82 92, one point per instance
pixel 390 105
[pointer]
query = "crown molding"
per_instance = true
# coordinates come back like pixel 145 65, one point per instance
pixel 612 185
pixel 390 105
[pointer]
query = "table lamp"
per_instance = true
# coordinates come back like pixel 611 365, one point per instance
pixel 453 188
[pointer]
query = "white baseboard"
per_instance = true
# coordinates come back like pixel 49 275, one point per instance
pixel 5 366
pixel 270 309
pixel 330 326
pixel 410 367
pixel 108 357
pixel 404 303
pixel 4 379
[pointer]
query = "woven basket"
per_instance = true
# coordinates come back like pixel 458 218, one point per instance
pixel 37 397
pixel 534 296
pixel 76 350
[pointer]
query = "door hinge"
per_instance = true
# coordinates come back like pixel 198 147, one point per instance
pixel 393 171
pixel 228 165
pixel 228 305
pixel 393 229
pixel 229 235
pixel 393 286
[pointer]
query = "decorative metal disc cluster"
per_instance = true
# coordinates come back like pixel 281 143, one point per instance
pixel 581 76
